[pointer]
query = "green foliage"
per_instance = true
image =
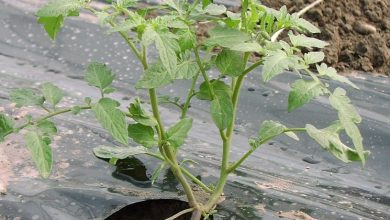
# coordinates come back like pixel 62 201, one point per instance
pixel 154 77
pixel 47 128
pixel 303 41
pixel 230 63
pixel 120 153
pixel 348 117
pixel 26 97
pixel 52 93
pixel 226 37
pixel 139 115
pixel 142 134
pixel 235 38
pixel 313 57
pixel 329 139
pixel 52 15
pixel 112 119
pixel 304 91
pixel 52 25
pixel 57 8
pixel 99 75
pixel 40 151
pixel 166 45
pixel 276 63
pixel 331 73
pixel 269 130
pixel 6 126
pixel 219 88
pixel 178 133
pixel 221 109
pixel 126 3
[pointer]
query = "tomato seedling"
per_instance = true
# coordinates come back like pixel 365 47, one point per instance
pixel 171 30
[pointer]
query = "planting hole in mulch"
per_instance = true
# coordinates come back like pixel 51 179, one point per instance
pixel 152 210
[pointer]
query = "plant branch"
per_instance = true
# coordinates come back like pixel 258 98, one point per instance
pixel 238 163
pixel 189 96
pixel 185 211
pixel 196 180
pixel 52 114
pixel 203 71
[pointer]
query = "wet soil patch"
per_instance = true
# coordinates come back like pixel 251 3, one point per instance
pixel 358 32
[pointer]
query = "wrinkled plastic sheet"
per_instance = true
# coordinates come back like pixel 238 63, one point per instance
pixel 281 176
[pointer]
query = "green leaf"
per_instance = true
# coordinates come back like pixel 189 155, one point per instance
pixel 120 153
pixel 139 115
pixel 187 39
pixel 304 41
pixel 313 57
pixel 226 37
pixel 270 129
pixel 221 110
pixel 214 9
pixel 52 25
pixel 52 93
pixel 186 69
pixel 109 90
pixel 99 75
pixel 40 151
pixel 303 92
pixel 60 7
pixel 154 77
pixel 247 47
pixel 348 117
pixel 331 72
pixel 219 87
pixel 177 134
pixel 126 3
pixel 142 134
pixel 134 20
pixel 158 171
pixel 230 63
pixel 276 63
pixel 26 97
pixel 329 139
pixel 76 110
pixel 174 4
pixel 6 126
pixel 166 46
pixel 112 119
pixel 47 127
pixel 167 99
pixel 303 24
pixel 205 3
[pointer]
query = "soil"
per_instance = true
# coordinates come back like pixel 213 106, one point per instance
pixel 358 32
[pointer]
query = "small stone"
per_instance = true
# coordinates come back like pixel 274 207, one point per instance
pixel 361 49
pixel 251 89
pixel 311 160
pixel 364 28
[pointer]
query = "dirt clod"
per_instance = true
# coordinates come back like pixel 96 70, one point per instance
pixel 358 32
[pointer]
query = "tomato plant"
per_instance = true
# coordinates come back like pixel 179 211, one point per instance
pixel 235 37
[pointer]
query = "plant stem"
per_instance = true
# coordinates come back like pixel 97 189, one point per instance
pixel 185 172
pixel 203 71
pixel 196 180
pixel 52 114
pixel 185 211
pixel 189 96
